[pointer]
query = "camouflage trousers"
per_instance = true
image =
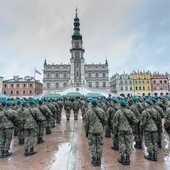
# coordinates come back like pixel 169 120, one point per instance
pixel 137 134
pixel 30 136
pixel 125 143
pixel 75 114
pixel 20 131
pixel 58 117
pixel 95 143
pixel 68 114
pixel 151 139
pixel 53 119
pixel 6 138
pixel 40 129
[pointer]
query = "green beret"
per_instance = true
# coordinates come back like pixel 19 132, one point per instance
pixel 148 101
pixel 9 103
pixel 40 102
pixel 19 102
pixel 153 100
pixel 94 102
pixel 135 99
pixel 31 102
pixel 123 103
pixel 114 100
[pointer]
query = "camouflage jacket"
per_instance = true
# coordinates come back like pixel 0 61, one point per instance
pixel 134 109
pixel 167 120
pixel 123 120
pixel 67 105
pixel 95 120
pixel 148 118
pixel 45 111
pixel 76 105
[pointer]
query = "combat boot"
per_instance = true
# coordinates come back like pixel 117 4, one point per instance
pixel 108 135
pixel 155 157
pixel 98 161
pixel 1 153
pixel 21 141
pixel 115 147
pixel 159 144
pixel 149 156
pixel 94 161
pixel 122 160
pixel 48 132
pixel 32 152
pixel 40 140
pixel 27 153
pixel 128 159
pixel 7 153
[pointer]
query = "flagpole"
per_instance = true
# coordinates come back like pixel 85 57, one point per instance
pixel 34 82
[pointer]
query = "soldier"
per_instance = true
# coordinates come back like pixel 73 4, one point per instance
pixel 159 123
pixel 76 106
pixel 167 119
pixel 8 118
pixel 21 124
pixel 123 120
pixel 67 107
pixel 31 117
pixel 58 112
pixel 136 129
pixel 149 128
pixel 48 114
pixel 95 120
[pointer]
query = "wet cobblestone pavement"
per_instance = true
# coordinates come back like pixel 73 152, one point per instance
pixel 67 149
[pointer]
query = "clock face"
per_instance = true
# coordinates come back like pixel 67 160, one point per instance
pixel 76 55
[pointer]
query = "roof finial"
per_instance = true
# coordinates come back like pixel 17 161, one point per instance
pixel 76 12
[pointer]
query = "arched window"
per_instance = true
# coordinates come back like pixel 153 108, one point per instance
pixel 104 84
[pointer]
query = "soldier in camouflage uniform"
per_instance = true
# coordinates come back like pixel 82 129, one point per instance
pixel 149 128
pixel 31 117
pixel 167 118
pixel 20 111
pixel 76 107
pixel 136 128
pixel 60 104
pixel 8 118
pixel 159 123
pixel 48 114
pixel 58 112
pixel 123 120
pixel 95 120
pixel 67 108
pixel 110 115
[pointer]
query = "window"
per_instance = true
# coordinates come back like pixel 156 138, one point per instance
pixel 126 87
pixel 165 81
pixel 154 87
pixel 4 92
pixel 90 84
pixel 11 92
pixel 165 87
pixel 143 87
pixel 136 88
pixel 24 85
pixel 65 75
pixel 136 82
pixel 154 82
pixel 130 87
pixel 97 74
pixel 121 88
pixel 161 88
pixel 139 82
pixel 77 74
pixel 104 84
pixel 161 81
pixel 57 85
pixel 17 85
pixel 139 87
pixel 30 92
pixel 5 85
pixel 17 92
pixel 97 84
pixel 104 75
pixel 48 85
pixel 148 87
pixel 121 82
pixel 89 75
pixel 56 75
pixel 48 75
pixel 143 81
pixel 23 92
pixel 65 84
pixel 30 85
pixel 12 85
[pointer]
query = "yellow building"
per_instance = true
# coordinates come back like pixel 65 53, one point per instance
pixel 142 82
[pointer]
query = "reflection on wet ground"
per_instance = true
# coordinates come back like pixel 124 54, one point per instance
pixel 67 149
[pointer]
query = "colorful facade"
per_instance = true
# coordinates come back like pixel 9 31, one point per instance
pixel 142 83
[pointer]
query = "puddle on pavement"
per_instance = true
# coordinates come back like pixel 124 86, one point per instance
pixel 61 157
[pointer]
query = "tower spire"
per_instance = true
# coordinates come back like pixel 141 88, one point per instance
pixel 76 35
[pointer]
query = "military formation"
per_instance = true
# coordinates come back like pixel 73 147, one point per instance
pixel 125 120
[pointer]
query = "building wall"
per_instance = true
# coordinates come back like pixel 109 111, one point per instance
pixel 1 84
pixel 22 87
pixel 142 82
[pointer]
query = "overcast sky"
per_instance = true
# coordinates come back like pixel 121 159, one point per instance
pixel 131 34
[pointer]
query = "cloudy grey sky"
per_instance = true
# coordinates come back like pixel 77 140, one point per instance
pixel 131 34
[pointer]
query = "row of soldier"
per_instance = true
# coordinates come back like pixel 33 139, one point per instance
pixel 127 120
pixel 121 119
pixel 29 119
